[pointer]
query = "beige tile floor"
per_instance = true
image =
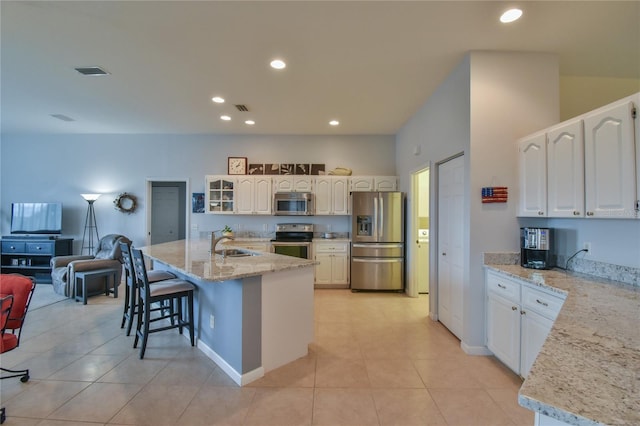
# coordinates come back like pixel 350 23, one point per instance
pixel 377 360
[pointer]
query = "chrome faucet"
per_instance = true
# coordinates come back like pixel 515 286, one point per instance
pixel 215 241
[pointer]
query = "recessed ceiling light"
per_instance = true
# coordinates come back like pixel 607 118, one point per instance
pixel 334 122
pixel 225 118
pixel 217 99
pixel 278 64
pixel 510 16
pixel 249 122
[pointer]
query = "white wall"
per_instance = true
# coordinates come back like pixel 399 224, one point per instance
pixel 60 167
pixel 580 94
pixel 484 105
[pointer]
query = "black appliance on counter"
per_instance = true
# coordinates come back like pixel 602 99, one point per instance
pixel 536 248
pixel 293 239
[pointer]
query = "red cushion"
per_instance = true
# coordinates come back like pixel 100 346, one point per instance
pixel 8 342
pixel 20 287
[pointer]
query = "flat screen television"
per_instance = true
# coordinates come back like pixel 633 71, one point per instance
pixel 36 218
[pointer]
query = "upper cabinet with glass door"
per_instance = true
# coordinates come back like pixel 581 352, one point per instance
pixel 220 194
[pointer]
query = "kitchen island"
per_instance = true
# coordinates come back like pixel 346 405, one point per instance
pixel 253 313
pixel 588 370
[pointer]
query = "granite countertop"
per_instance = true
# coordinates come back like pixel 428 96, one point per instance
pixel 588 370
pixel 191 257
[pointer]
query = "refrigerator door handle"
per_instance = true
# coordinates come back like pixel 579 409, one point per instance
pixel 377 260
pixel 377 245
pixel 381 218
pixel 376 219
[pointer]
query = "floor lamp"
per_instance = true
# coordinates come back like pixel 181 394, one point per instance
pixel 90 225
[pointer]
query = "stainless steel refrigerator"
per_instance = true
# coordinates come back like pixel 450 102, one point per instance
pixel 377 241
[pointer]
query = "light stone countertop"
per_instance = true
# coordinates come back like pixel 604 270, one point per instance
pixel 191 257
pixel 588 370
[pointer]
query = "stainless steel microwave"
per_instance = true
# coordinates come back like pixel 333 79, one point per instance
pixel 293 204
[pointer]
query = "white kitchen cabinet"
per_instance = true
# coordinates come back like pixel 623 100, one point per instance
pixel 610 169
pixel 532 163
pixel 293 183
pixel 253 194
pixel 374 183
pixel 565 170
pixel 536 328
pixel 519 318
pixel 591 167
pixel 333 268
pixel 385 183
pixel 331 195
pixel 503 320
pixel 220 194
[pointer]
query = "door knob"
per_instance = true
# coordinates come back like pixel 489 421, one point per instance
pixel 444 254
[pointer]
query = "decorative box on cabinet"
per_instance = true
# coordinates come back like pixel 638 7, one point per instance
pixel 519 319
pixel 32 256
pixel 331 195
pixel 333 269
pixel 220 194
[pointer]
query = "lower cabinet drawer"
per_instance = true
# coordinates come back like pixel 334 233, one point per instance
pixel 543 303
pixel 331 247
pixel 9 247
pixel 40 248
pixel 504 287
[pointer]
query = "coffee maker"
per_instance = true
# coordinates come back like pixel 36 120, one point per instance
pixel 535 248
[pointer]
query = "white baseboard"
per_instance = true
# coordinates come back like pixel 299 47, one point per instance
pixel 475 350
pixel 240 379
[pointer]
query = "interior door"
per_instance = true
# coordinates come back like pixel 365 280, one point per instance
pixel 451 244
pixel 165 216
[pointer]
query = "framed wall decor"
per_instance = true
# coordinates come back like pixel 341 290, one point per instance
pixel 237 165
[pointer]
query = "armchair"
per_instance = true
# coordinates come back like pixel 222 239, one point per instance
pixel 107 254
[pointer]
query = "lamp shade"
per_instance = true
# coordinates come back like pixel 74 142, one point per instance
pixel 90 197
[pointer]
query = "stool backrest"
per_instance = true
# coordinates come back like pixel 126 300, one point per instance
pixel 142 281
pixel 127 261
pixel 21 287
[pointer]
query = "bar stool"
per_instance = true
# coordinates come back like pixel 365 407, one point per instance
pixel 168 290
pixel 131 289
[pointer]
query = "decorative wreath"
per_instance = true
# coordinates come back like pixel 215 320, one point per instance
pixel 125 203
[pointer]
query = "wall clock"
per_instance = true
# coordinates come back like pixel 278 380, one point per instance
pixel 237 166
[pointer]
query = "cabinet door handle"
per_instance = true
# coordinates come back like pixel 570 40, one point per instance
pixel 514 308
pixel 576 213
pixel 444 254
pixel 542 303
pixel 13 247
pixel 504 287
pixel 523 313
pixel 540 213
pixel 589 213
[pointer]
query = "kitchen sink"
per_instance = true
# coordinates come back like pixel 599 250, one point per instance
pixel 235 253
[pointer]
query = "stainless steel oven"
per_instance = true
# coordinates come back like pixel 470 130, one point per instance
pixel 293 239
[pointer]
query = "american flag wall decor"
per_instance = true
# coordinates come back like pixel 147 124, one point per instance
pixel 495 194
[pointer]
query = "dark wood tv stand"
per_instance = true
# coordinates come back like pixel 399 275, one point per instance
pixel 32 255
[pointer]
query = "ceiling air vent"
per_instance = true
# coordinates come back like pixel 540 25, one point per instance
pixel 91 71
pixel 62 117
pixel 242 107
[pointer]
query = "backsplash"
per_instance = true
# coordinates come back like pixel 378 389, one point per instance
pixel 625 274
